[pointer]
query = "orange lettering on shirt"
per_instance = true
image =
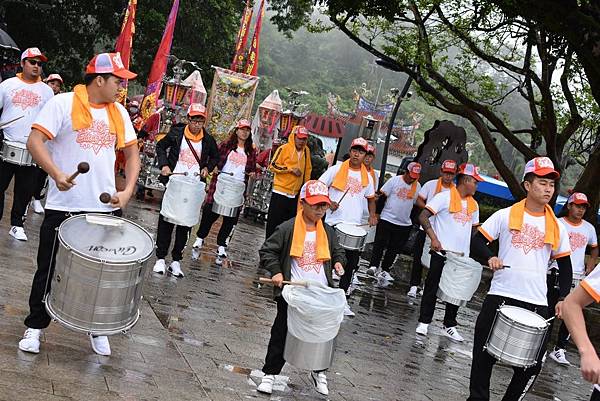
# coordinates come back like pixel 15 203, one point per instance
pixel 528 239
pixel 96 137
pixel 25 99
pixel 309 261
pixel 462 217
pixel 577 240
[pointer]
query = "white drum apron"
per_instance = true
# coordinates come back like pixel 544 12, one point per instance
pixel 99 274
pixel 517 336
pixel 16 153
pixel 229 195
pixel 183 200
pixel 459 281
pixel 351 237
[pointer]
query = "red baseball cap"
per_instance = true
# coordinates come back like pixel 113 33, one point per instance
pixel 414 170
pixel 109 63
pixel 300 131
pixel 196 109
pixel 315 191
pixel 541 166
pixel 243 123
pixel 449 166
pixel 371 149
pixel 33 52
pixel 470 169
pixel 54 77
pixel 360 143
pixel 578 198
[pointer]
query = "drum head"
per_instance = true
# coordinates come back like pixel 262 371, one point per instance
pixel 351 230
pixel 106 238
pixel 523 316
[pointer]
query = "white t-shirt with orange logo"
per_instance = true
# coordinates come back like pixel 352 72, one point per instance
pixel 398 205
pixel 452 229
pixel 186 163
pixel 236 164
pixel 580 237
pixel 20 98
pixel 352 207
pixel 427 192
pixel 95 145
pixel 308 267
pixel 526 254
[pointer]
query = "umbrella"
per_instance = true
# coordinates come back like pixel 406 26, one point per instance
pixel 7 42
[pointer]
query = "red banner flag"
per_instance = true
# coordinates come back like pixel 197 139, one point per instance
pixel 242 37
pixel 252 63
pixel 125 43
pixel 159 65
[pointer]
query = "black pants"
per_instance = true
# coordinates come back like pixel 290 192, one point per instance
pixel 416 273
pixel 553 294
pixel 432 282
pixel 281 208
pixel 595 395
pixel 208 219
pixel 41 179
pixel 38 318
pixel 23 190
pixel 483 362
pixel 352 258
pixel 391 238
pixel 163 239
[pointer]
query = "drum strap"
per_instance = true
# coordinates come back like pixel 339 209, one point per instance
pixel 193 151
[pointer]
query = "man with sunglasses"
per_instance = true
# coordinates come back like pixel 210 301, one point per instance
pixel 21 98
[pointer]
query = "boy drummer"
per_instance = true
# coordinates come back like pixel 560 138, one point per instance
pixel 529 235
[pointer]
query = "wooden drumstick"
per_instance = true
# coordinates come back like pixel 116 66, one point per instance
pixel 270 281
pixel 343 196
pixel 82 168
pixel 184 173
pixel 105 197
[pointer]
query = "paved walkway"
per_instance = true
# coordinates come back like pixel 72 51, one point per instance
pixel 204 337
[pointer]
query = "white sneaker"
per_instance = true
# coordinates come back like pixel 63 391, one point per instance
pixel 31 341
pixel 159 266
pixel 422 328
pixel 558 356
pixel 37 206
pixel 221 252
pixel 100 345
pixel 175 269
pixel 453 334
pixel 319 380
pixel 18 233
pixel 266 384
pixel 348 311
pixel 412 292
pixel 198 243
pixel 373 271
pixel 385 276
pixel 195 253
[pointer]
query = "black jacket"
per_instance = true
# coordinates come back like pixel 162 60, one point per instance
pixel 167 149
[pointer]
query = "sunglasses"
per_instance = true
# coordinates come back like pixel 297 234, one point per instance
pixel 35 62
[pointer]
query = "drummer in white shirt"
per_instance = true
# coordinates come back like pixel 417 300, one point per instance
pixel 581 235
pixel 529 235
pixel 454 213
pixel 352 179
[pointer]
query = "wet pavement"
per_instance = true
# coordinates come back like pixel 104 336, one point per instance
pixel 204 337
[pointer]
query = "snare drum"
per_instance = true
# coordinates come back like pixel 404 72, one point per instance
pixel 351 237
pixel 99 274
pixel 517 336
pixel 577 277
pixel 16 153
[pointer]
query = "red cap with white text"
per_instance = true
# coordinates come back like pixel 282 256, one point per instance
pixel 578 198
pixel 109 63
pixel 542 167
pixel 414 170
pixel 315 191
pixel 449 166
pixel 33 52
pixel 470 169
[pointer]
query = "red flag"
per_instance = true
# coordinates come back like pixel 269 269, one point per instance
pixel 242 37
pixel 125 42
pixel 252 63
pixel 159 65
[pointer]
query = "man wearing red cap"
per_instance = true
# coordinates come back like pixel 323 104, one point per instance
pixel 529 236
pixel 83 125
pixel 237 158
pixel 581 235
pixel 188 150
pixel 454 214
pixel 21 99
pixel 431 188
pixel 396 200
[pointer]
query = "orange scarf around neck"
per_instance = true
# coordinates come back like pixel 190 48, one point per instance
pixel 413 190
pixel 81 115
pixel 440 185
pixel 194 138
pixel 552 232
pixel 297 249
pixel 341 178
pixel 456 202
pixel 20 76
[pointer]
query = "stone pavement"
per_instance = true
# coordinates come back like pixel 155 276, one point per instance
pixel 201 338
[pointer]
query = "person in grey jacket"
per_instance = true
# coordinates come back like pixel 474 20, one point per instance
pixel 302 248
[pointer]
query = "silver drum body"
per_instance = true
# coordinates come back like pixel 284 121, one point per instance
pixel 99 274
pixel 517 336
pixel 351 237
pixel 16 153
pixel 226 211
pixel 309 356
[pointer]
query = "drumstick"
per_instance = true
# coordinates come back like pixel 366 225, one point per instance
pixel 82 168
pixel 184 173
pixel 270 281
pixel 342 198
pixel 224 172
pixel 8 123
pixel 443 251
pixel 106 198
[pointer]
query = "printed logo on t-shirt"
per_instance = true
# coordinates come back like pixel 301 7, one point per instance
pixel 577 240
pixel 528 239
pixel 354 186
pixel 187 157
pixel 238 159
pixel 309 261
pixel 462 217
pixel 402 193
pixel 25 99
pixel 96 137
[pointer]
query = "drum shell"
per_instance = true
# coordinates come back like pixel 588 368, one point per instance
pixel 183 200
pixel 309 356
pixel 349 241
pixel 514 343
pixel 577 279
pixel 225 210
pixel 446 298
pixel 93 297
pixel 16 153
pixel 229 191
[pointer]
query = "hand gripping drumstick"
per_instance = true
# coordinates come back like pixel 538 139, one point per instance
pixel 270 281
pixel 82 168
pixel 106 198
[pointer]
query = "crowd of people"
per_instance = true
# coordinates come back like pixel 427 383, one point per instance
pixel 536 257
